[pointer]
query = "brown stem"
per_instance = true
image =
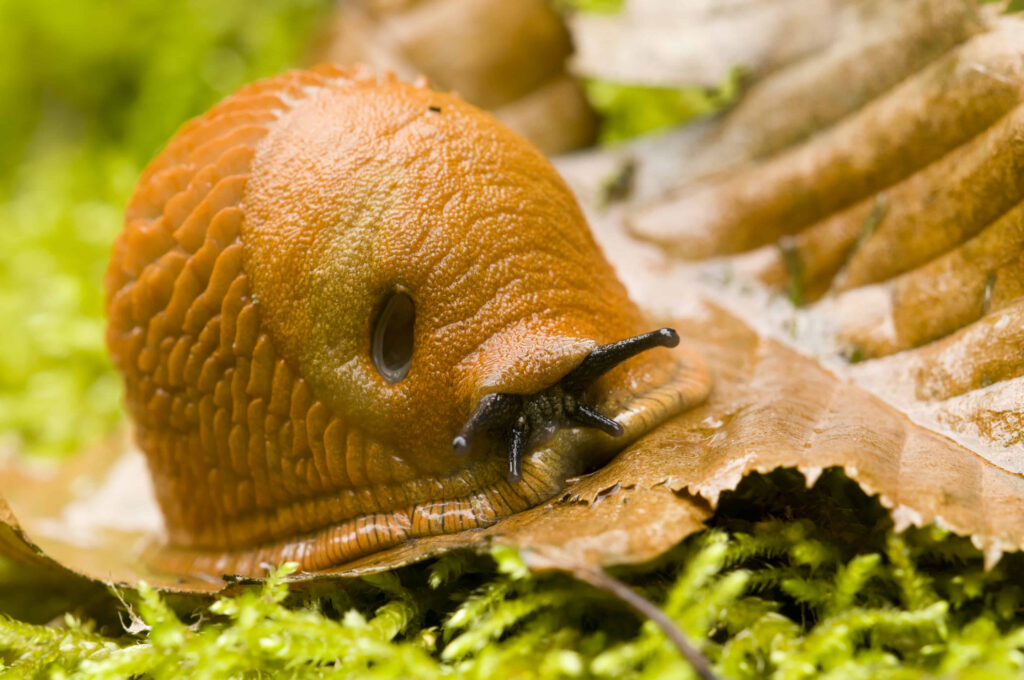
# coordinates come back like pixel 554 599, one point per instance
pixel 602 581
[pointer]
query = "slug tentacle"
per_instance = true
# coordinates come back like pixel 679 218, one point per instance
pixel 606 357
pixel 588 417
pixel 526 419
pixel 517 440
pixel 493 409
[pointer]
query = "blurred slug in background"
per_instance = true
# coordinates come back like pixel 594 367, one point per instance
pixel 352 311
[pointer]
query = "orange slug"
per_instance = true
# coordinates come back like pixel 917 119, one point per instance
pixel 351 311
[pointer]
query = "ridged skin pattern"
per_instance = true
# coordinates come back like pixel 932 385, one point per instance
pixel 257 253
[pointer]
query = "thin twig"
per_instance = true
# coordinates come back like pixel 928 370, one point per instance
pixel 599 579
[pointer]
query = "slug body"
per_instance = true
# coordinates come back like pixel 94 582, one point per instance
pixel 322 283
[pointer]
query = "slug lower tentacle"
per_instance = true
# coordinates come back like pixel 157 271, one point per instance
pixel 521 419
pixel 320 280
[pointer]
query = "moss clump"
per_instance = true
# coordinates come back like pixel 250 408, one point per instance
pixel 630 110
pixel 840 596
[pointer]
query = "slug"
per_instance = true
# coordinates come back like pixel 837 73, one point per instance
pixel 351 311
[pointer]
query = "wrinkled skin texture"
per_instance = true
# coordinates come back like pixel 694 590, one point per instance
pixel 257 255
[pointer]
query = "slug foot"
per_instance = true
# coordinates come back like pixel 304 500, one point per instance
pixel 525 420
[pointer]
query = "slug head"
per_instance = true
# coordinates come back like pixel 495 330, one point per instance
pixel 378 195
pixel 402 257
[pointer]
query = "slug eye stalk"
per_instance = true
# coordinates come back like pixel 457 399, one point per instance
pixel 518 417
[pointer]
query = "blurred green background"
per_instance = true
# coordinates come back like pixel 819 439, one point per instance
pixel 91 90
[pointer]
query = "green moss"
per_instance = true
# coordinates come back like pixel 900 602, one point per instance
pixel 592 6
pixel 829 592
pixel 630 110
pixel 91 90
pixel 1009 6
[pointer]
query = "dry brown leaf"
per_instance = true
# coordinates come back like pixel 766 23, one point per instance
pixel 929 114
pixel 681 44
pixel 902 223
pixel 888 42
